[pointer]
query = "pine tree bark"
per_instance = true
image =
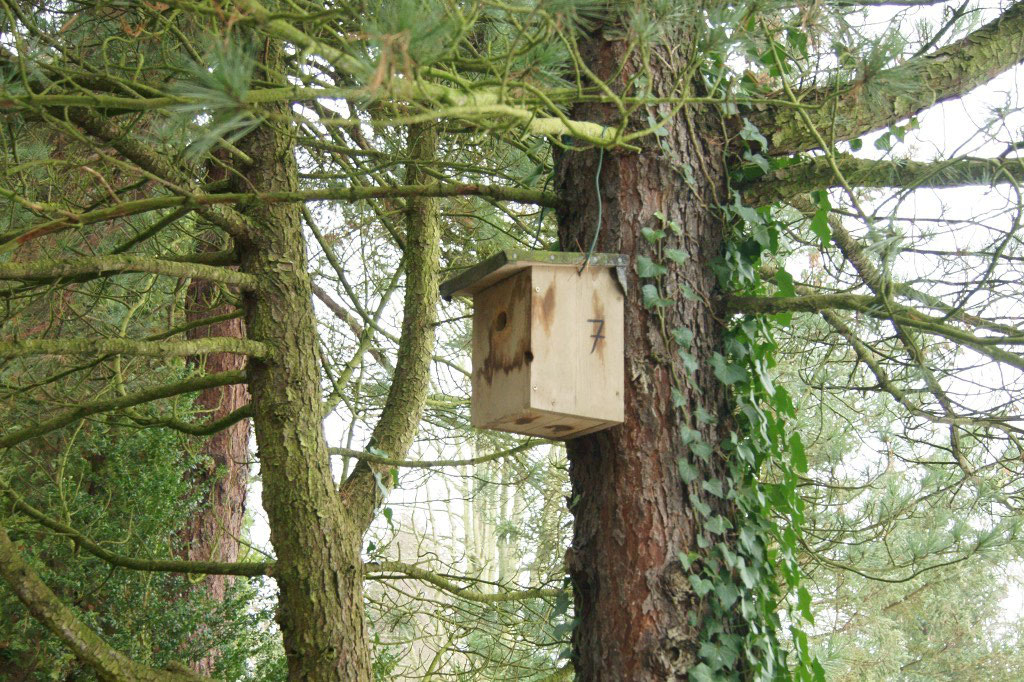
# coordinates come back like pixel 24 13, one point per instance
pixel 213 533
pixel 638 618
pixel 319 571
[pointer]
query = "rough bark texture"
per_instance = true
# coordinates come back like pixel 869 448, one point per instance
pixel 399 420
pixel 633 514
pixel 213 533
pixel 318 567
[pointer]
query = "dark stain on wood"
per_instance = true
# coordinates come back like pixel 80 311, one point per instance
pixel 508 336
pixel 547 307
pixel 527 419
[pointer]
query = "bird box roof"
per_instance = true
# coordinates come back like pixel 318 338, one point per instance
pixel 509 261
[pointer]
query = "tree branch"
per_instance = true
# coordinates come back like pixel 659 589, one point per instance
pixel 413 89
pixel 430 463
pixel 399 420
pixel 817 173
pixel 410 571
pixel 113 265
pixel 201 201
pixel 900 92
pixel 108 663
pixel 249 569
pixel 148 395
pixel 155 349
pixel 810 303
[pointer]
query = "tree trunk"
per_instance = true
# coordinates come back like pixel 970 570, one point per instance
pixel 638 617
pixel 213 533
pixel 318 570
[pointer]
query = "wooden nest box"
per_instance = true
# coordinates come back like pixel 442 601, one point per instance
pixel 547 342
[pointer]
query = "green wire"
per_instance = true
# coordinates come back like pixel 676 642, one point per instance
pixel 597 230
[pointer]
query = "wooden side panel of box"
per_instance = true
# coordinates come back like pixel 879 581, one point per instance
pixel 501 351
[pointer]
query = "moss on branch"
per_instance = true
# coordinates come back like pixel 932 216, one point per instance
pixel 817 173
pixel 113 265
pixel 88 409
pixel 900 92
pixel 155 349
pixel 109 664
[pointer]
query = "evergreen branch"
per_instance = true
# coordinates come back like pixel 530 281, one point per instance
pixel 412 90
pixel 898 93
pixel 151 161
pixel 817 173
pixel 410 571
pixel 132 399
pixel 207 429
pixel 115 265
pixel 430 463
pixel 399 420
pixel 199 201
pixel 883 310
pixel 249 569
pixel 154 349
pixel 108 663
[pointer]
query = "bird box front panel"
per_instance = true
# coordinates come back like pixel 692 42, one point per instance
pixel 577 343
pixel 501 352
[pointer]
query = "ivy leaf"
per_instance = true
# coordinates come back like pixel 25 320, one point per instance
pixel 819 223
pixel 689 361
pixel 758 160
pixel 701 673
pixel 702 507
pixel 704 416
pixel 749 576
pixel 727 594
pixel 701 586
pixel 688 292
pixel 819 226
pixel 645 267
pixel 750 133
pixel 785 282
pixel 797 454
pixel 803 603
pixel 718 524
pixel 687 471
pixel 688 435
pixel 683 336
pixel 653 299
pixel 701 449
pixel 652 236
pixel 677 256
pixel 727 372
pixel 714 486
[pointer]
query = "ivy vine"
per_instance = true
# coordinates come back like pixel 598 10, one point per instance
pixel 746 564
